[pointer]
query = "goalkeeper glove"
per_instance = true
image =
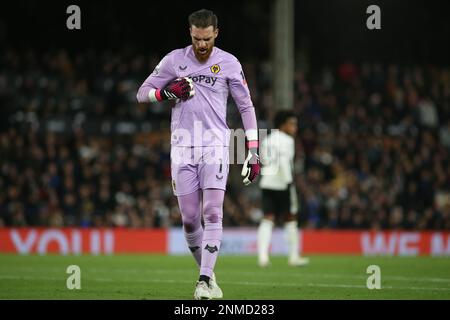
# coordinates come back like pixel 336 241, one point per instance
pixel 252 166
pixel 180 88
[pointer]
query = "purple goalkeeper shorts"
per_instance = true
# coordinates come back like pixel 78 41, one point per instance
pixel 196 168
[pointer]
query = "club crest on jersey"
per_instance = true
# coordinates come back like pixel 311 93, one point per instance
pixel 215 68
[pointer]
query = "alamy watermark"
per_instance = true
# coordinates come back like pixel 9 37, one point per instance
pixel 374 280
pixel 74 280
pixel 374 20
pixel 222 147
pixel 74 20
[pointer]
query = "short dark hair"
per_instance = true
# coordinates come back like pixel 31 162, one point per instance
pixel 281 117
pixel 203 19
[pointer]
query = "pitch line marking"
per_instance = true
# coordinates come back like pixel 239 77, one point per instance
pixel 240 283
pixel 300 275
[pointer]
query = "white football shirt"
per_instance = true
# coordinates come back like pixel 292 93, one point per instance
pixel 277 153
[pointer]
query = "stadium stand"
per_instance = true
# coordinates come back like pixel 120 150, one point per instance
pixel 77 150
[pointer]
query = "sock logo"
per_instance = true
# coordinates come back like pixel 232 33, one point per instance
pixel 211 249
pixel 193 249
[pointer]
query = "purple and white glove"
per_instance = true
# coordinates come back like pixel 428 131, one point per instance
pixel 252 166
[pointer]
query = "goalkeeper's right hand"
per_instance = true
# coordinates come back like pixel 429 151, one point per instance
pixel 180 88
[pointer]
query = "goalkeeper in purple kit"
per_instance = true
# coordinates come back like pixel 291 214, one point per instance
pixel 199 79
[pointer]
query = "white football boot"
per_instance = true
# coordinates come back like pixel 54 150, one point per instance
pixel 202 291
pixel 263 261
pixel 298 262
pixel 216 292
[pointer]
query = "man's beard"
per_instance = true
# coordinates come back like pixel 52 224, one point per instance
pixel 203 56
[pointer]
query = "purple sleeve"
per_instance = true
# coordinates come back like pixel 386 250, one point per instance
pixel 241 95
pixel 162 74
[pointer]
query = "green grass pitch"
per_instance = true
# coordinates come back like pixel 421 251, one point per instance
pixel 173 277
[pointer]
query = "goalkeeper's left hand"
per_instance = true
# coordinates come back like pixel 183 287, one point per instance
pixel 252 166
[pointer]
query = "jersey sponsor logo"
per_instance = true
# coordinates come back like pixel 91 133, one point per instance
pixel 211 249
pixel 205 79
pixel 215 68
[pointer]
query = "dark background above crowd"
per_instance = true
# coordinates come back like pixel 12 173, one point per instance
pixel 415 31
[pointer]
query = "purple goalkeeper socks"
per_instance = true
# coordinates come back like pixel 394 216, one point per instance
pixel 190 207
pixel 204 244
pixel 194 241
pixel 210 248
pixel 212 235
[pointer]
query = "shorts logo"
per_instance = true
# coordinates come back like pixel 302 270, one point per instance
pixel 211 249
pixel 220 177
pixel 215 68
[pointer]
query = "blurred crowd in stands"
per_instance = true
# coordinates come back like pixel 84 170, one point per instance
pixel 372 149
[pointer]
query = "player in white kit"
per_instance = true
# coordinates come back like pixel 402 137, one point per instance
pixel 279 195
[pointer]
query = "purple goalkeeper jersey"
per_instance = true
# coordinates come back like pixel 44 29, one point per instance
pixel 201 120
